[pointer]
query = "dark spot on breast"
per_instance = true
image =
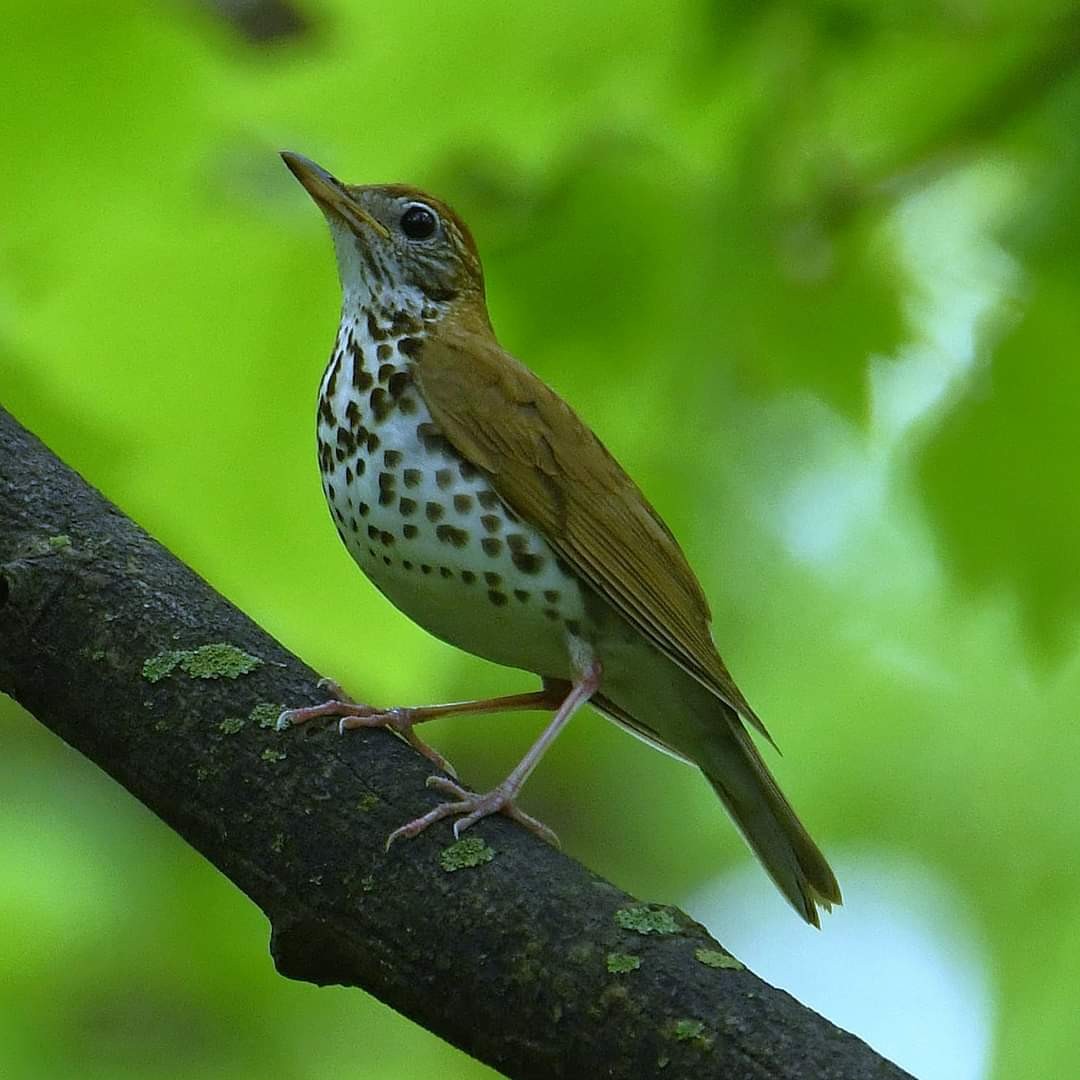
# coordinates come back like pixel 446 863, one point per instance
pixel 363 509
pixel 517 542
pixel 352 412
pixel 431 437
pixel 398 382
pixel 424 568
pixel 487 499
pixel 372 552
pixel 386 498
pixel 406 564
pixel 492 545
pixel 391 458
pixel 468 577
pixel 445 571
pixel 521 594
pixel 387 481
pixel 348 476
pixel 361 466
pixel 373 532
pixel 339 515
pixel 409 531
pixel 406 507
pixel 407 405
pixel 468 470
pixel 550 613
pixel 448 534
pixel 326 457
pixel 528 563
pixel 412 478
pixel 326 412
pixel 434 511
pixel 339 453
pixel 496 597
pixel 384 351
pixel 386 538
pixel 330 490
pixel 374 329
pixel 444 478
pixel 386 559
pixel 385 371
pixel 372 442
pixel 462 503
pixel 409 346
pixel 361 377
pixel 551 596
pixel 491 523
pixel 331 382
pixel 380 403
pixel 492 579
pixel 346 439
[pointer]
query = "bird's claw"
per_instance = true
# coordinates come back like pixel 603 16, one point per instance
pixel 471 807
pixel 353 714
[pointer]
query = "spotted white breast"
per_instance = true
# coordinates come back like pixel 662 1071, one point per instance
pixel 423 523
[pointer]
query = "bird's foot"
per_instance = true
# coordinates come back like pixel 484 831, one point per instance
pixel 472 808
pixel 354 714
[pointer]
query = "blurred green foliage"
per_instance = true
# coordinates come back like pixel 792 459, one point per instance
pixel 811 270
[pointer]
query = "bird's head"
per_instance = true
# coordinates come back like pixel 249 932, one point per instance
pixel 396 246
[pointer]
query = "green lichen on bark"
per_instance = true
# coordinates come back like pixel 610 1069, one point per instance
pixel 216 661
pixel 646 919
pixel 619 963
pixel 465 854
pixel 714 958
pixel 265 714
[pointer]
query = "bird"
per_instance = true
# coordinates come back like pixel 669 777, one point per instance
pixel 481 506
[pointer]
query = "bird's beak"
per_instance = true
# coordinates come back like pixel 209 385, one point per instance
pixel 330 194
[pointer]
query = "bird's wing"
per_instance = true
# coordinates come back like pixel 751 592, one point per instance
pixel 552 471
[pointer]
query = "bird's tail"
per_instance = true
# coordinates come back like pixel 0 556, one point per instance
pixel 768 823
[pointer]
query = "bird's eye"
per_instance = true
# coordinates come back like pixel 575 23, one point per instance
pixel 419 222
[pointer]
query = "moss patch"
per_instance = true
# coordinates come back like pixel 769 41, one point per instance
pixel 465 854
pixel 685 1030
pixel 231 725
pixel 619 963
pixel 217 661
pixel 714 958
pixel 220 661
pixel 270 755
pixel 645 919
pixel 265 714
pixel 368 801
pixel 156 668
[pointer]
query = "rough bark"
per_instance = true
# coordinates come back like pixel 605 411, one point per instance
pixel 509 960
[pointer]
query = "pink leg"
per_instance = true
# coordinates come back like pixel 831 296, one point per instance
pixel 402 719
pixel 474 807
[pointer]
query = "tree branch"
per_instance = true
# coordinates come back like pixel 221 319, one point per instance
pixel 509 960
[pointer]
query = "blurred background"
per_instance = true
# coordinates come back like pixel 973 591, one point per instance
pixel 812 272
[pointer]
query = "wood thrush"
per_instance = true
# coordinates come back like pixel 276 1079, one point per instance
pixel 480 505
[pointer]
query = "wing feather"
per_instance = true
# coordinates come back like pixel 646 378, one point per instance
pixel 553 472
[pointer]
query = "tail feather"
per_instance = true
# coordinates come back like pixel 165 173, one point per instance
pixel 766 820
